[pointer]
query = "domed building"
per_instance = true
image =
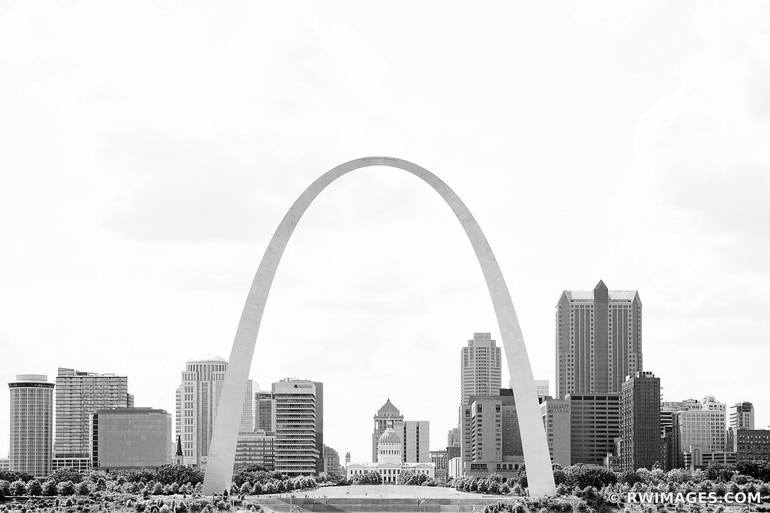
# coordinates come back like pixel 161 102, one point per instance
pixel 390 464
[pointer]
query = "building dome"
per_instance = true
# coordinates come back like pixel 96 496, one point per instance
pixel 389 437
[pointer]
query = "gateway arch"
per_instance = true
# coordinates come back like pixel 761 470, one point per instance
pixel 219 467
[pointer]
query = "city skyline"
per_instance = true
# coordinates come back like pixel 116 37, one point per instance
pixel 133 211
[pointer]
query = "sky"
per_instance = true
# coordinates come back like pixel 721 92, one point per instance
pixel 149 149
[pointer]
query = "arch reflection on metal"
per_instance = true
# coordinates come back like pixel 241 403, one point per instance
pixel 219 467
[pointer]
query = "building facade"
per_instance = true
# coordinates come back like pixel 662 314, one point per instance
pixel 130 438
pixel 255 448
pixel 751 444
pixel 556 420
pixel 598 340
pixel 390 461
pixel 264 411
pixel 31 424
pixel 299 424
pixel 594 425
pixel 741 416
pixel 480 367
pixel 387 417
pixel 640 421
pixel 78 395
pixel 703 428
pixel 332 467
pixel 416 438
pixel 440 464
pixel 196 404
pixel 493 442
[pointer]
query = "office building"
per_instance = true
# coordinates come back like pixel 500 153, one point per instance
pixel 703 427
pixel 299 414
pixel 480 367
pixel 741 416
pixel 493 444
pixel 556 420
pixel 594 425
pixel 416 438
pixel 5 464
pixel 751 444
pixel 255 448
pixel 78 395
pixel 332 467
pixel 196 404
pixel 31 424
pixel 264 411
pixel 640 421
pixel 671 447
pixel 440 463
pixel 598 340
pixel 130 438
pixel 453 437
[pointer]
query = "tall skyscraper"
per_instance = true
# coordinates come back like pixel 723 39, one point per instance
pixel 598 340
pixel 299 424
pixel 741 416
pixel 78 395
pixel 31 424
pixel 640 421
pixel 480 367
pixel 196 404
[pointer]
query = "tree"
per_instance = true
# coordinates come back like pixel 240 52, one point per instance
pixel 65 488
pixel 34 488
pixel 49 487
pixel 246 489
pixel 83 488
pixel 18 487
pixel 66 474
pixel 12 475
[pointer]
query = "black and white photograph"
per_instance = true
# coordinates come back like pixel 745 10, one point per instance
pixel 361 257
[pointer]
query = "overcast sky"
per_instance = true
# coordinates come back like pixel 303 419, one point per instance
pixel 148 151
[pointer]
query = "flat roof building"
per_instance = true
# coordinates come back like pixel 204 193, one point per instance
pixel 126 438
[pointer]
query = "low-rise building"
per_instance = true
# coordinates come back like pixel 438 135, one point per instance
pixel 255 448
pixel 124 438
pixel 441 462
pixel 751 444
pixel 390 464
pixel 697 460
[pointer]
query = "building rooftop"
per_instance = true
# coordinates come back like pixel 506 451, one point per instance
pixel 207 357
pixel 388 410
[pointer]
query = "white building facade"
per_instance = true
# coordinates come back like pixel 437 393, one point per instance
pixel 390 464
